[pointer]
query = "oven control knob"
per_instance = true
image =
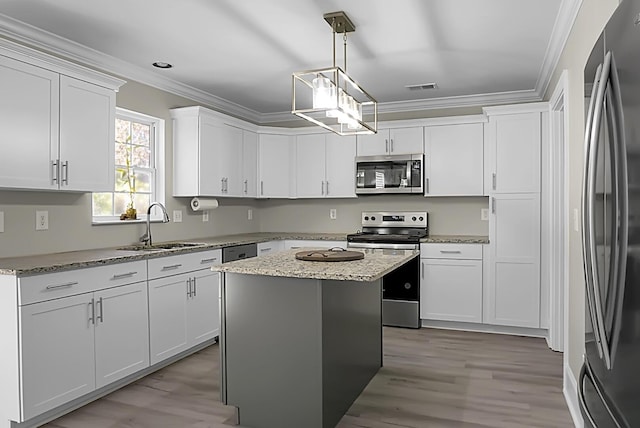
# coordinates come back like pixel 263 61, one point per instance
pixel 413 218
pixel 373 218
pixel 366 218
pixel 421 218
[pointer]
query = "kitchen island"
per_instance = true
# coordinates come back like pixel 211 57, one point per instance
pixel 300 340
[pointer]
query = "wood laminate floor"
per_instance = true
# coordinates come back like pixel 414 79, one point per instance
pixel 431 378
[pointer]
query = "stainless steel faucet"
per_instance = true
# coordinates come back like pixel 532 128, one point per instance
pixel 146 238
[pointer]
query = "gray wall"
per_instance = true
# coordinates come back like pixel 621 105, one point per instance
pixel 447 216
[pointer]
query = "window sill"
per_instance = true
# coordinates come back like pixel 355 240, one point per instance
pixel 112 222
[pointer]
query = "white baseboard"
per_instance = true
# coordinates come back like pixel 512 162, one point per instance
pixel 570 391
pixel 485 328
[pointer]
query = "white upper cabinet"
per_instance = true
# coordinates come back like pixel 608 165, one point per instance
pixel 87 135
pixel 276 154
pixel 454 160
pixel 325 166
pixel 395 141
pixel 512 153
pixel 249 164
pixel 211 157
pixel 57 131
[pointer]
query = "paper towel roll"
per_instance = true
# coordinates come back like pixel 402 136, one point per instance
pixel 199 204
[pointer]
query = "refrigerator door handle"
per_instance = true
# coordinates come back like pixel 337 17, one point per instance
pixel 622 210
pixel 586 373
pixel 601 337
pixel 588 231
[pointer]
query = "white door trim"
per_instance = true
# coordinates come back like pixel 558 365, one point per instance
pixel 558 202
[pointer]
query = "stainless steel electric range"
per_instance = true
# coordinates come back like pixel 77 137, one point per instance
pixel 393 231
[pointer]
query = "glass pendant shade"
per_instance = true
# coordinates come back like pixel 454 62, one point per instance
pixel 324 93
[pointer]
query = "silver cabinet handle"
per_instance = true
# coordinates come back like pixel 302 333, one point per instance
pixel 92 311
pixel 211 260
pixel 264 249
pixel 55 171
pixel 246 187
pixel 493 205
pixel 171 267
pixel 493 180
pixel 101 316
pixel 65 172
pixel 261 187
pixel 58 286
pixel 392 144
pixel 123 275
pixel 386 145
pixel 422 271
pixel 188 287
pixel 222 185
pixel 195 287
pixel 327 192
pixel 322 188
pixel 426 185
pixel 450 251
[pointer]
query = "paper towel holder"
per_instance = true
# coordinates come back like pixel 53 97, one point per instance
pixel 201 204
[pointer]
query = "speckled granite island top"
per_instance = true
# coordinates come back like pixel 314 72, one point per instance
pixel 375 264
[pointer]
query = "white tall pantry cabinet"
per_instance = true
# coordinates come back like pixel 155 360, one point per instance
pixel 513 138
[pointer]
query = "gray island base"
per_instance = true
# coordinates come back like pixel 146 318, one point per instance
pixel 295 351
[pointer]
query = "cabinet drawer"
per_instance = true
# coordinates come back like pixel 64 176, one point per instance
pixel 451 251
pixel 174 265
pixel 49 286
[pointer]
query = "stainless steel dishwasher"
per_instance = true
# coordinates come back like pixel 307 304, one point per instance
pixel 239 252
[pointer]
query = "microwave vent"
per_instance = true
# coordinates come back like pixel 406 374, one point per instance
pixel 422 86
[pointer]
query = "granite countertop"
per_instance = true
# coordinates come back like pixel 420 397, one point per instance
pixel 376 263
pixel 455 239
pixel 55 262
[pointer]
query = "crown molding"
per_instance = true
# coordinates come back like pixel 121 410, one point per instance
pixel 39 39
pixel 561 29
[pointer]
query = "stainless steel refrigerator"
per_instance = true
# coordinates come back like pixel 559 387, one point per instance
pixel 609 384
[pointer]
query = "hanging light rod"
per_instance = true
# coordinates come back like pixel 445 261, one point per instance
pixel 329 97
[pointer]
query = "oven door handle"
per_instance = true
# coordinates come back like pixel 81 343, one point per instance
pixel 383 246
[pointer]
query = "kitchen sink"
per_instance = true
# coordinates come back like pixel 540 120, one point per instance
pixel 164 246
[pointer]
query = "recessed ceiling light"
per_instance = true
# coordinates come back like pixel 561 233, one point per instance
pixel 161 64
pixel 422 86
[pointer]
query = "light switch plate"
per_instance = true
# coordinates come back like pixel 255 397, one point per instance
pixel 333 214
pixel 1 221
pixel 177 216
pixel 484 214
pixel 205 216
pixel 42 220
pixel 249 214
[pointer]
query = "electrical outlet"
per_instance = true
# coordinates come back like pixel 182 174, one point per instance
pixel 333 214
pixel 1 221
pixel 249 214
pixel 42 220
pixel 177 216
pixel 205 215
pixel 484 214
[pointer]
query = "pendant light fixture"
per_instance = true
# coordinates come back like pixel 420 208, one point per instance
pixel 330 98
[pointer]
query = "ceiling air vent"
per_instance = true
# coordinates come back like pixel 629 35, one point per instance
pixel 422 86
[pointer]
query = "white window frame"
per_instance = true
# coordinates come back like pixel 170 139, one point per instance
pixel 157 151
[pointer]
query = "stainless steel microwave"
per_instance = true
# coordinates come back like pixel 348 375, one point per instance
pixel 390 174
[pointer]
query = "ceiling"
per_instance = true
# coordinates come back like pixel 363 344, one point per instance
pixel 239 55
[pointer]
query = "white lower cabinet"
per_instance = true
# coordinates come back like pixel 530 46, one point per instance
pixel 75 343
pixel 512 291
pixel 269 247
pixel 183 302
pixel 451 282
